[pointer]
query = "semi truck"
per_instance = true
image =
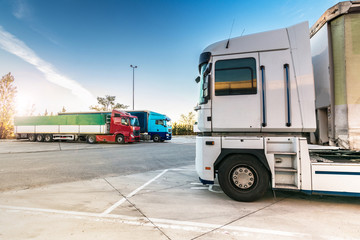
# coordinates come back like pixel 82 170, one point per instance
pixel 116 126
pixel 256 112
pixel 153 126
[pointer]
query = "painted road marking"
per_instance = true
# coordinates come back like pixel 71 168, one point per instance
pixel 121 201
pixel 163 223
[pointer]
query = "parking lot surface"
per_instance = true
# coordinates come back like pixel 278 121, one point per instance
pixel 162 203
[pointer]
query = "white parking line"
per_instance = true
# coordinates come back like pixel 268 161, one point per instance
pixel 163 223
pixel 121 201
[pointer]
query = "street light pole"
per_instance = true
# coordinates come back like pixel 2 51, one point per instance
pixel 133 67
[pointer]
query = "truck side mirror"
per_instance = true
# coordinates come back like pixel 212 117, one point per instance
pixel 208 69
pixel 197 80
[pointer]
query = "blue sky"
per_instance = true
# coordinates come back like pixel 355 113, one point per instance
pixel 67 52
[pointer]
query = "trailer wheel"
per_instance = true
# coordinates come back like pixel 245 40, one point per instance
pixel 40 138
pixel 120 139
pixel 243 178
pixel 32 137
pixel 156 138
pixel 91 139
pixel 48 138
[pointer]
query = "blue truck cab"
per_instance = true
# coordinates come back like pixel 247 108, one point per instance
pixel 153 125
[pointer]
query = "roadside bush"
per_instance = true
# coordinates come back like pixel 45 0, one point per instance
pixel 182 129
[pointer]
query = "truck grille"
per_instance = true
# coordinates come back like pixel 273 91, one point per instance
pixel 136 133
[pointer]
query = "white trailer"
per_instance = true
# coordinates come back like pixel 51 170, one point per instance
pixel 256 111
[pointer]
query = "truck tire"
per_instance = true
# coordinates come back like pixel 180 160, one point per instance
pixel 120 139
pixel 32 137
pixel 48 138
pixel 156 138
pixel 39 137
pixel 243 178
pixel 91 139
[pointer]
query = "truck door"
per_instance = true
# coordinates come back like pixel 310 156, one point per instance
pixel 280 105
pixel 235 94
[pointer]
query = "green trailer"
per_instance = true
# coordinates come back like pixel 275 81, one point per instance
pixel 67 127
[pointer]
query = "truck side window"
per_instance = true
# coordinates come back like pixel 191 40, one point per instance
pixel 117 115
pixel 159 122
pixel 125 121
pixel 235 77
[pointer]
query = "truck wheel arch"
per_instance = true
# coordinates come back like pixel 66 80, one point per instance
pixel 257 153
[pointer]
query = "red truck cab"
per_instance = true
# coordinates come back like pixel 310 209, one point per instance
pixel 122 128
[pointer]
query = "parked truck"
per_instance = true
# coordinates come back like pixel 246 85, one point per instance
pixel 255 115
pixel 116 126
pixel 153 126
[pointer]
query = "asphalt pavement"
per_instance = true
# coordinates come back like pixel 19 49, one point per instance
pixel 147 191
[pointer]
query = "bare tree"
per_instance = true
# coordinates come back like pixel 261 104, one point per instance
pixel 31 111
pixel 107 103
pixel 188 119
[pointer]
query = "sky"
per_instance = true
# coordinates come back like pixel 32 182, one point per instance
pixel 65 53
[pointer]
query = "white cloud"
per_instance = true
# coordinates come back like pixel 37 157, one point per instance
pixel 21 9
pixel 11 44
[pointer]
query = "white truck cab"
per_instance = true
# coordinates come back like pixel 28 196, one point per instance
pixel 256 109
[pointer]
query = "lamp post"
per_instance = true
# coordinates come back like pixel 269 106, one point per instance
pixel 133 67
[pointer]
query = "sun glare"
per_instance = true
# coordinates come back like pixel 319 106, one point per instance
pixel 23 105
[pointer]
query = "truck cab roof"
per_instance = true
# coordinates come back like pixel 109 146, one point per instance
pixel 254 42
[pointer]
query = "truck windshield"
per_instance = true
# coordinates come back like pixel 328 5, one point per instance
pixel 202 98
pixel 134 122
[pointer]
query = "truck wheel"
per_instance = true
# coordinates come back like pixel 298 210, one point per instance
pixel 32 137
pixel 40 138
pixel 48 138
pixel 156 138
pixel 120 139
pixel 243 178
pixel 91 139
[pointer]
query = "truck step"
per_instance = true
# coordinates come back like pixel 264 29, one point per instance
pixel 286 186
pixel 282 153
pixel 285 169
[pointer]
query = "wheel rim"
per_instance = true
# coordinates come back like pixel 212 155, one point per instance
pixel 39 138
pixel 243 177
pixel 47 138
pixel 119 139
pixel 91 139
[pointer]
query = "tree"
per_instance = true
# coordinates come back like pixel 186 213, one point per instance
pixel 63 109
pixel 185 124
pixel 31 111
pixel 188 119
pixel 107 103
pixel 7 108
pixel 46 112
